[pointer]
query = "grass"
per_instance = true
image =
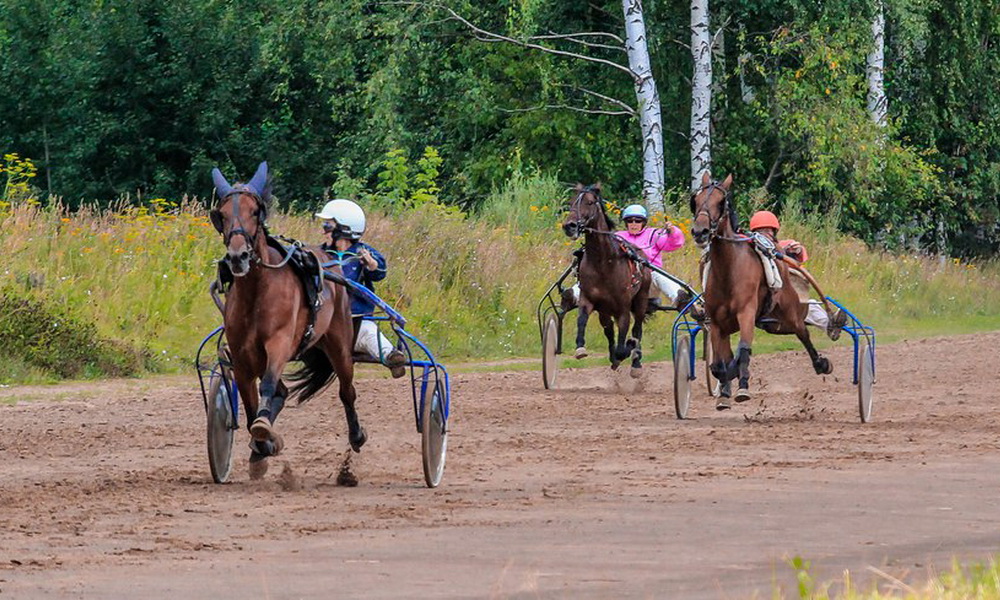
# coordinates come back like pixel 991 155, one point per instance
pixel 976 580
pixel 468 284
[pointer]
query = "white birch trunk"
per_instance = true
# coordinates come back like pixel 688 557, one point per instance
pixel 746 90
pixel 649 105
pixel 701 93
pixel 878 104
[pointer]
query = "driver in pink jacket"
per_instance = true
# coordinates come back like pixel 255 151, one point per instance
pixel 654 242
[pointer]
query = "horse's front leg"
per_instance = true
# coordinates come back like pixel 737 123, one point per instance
pixel 609 332
pixel 638 316
pixel 740 366
pixel 625 344
pixel 272 398
pixel 723 353
pixel 581 332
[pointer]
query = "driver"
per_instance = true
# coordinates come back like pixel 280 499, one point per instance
pixel 766 223
pixel 343 225
pixel 654 242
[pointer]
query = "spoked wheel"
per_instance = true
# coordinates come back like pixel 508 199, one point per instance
pixel 709 354
pixel 220 429
pixel 682 376
pixel 866 377
pixel 434 435
pixel 550 338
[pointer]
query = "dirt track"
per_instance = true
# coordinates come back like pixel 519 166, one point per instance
pixel 590 491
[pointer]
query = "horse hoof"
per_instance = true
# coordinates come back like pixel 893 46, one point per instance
pixel 359 440
pixel 258 466
pixel 261 430
pixel 635 373
pixel 581 352
pixel 824 366
pixel 723 403
pixel 279 443
pixel 742 395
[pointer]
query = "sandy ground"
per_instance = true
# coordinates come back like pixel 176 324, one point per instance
pixel 593 490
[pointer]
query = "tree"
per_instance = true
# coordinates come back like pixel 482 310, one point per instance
pixel 701 93
pixel 878 103
pixel 639 70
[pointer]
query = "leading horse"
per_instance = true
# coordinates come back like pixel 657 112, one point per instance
pixel 737 294
pixel 268 321
pixel 612 281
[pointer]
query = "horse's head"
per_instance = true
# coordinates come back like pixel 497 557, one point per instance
pixel 240 217
pixel 587 212
pixel 711 205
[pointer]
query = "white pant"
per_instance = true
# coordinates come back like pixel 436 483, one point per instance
pixel 665 285
pixel 661 284
pixel 816 315
pixel 371 341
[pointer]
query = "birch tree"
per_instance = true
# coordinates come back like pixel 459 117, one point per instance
pixel 649 105
pixel 878 103
pixel 701 93
pixel 639 69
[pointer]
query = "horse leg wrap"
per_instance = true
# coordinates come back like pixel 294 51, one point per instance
pixel 742 361
pixel 262 449
pixel 269 406
pixel 720 371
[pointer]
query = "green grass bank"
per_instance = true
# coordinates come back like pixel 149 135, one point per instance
pixel 125 290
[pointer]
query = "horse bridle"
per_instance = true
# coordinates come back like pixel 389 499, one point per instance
pixel 234 195
pixel 583 224
pixel 726 210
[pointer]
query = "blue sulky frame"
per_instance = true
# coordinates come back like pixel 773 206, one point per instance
pixel 220 368
pixel 863 338
pixel 550 308
pixel 425 372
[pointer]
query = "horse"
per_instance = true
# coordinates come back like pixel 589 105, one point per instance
pixel 612 279
pixel 737 295
pixel 268 321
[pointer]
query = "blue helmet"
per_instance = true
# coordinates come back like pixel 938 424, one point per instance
pixel 635 210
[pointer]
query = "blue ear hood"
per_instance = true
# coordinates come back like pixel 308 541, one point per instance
pixel 222 187
pixel 259 180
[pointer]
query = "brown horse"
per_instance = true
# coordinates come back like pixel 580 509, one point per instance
pixel 267 321
pixel 611 281
pixel 737 296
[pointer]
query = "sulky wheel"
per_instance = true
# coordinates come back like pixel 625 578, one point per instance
pixel 866 377
pixel 682 376
pixel 220 429
pixel 550 339
pixel 434 434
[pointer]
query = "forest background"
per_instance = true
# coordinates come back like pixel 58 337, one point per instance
pixel 114 112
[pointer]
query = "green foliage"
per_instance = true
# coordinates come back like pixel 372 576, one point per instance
pixel 837 161
pixel 526 203
pixel 17 173
pixel 142 98
pixel 48 338
pixel 401 187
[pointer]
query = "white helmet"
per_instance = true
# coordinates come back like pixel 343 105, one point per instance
pixel 350 218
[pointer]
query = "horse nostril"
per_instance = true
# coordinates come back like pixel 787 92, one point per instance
pixel 244 255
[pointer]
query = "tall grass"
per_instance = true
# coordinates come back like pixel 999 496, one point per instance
pixel 976 580
pixel 469 285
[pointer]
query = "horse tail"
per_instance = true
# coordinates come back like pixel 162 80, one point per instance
pixel 316 373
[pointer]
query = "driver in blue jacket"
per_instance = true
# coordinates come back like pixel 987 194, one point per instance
pixel 344 224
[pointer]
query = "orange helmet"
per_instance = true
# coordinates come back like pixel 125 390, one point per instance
pixel 764 218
